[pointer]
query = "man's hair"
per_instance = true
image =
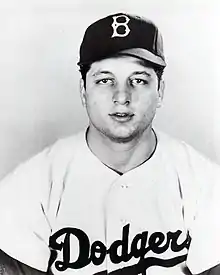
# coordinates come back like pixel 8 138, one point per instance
pixel 158 70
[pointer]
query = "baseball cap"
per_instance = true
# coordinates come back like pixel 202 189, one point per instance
pixel 122 34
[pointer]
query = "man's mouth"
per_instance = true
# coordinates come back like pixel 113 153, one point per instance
pixel 121 116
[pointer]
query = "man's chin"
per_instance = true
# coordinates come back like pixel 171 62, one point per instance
pixel 122 137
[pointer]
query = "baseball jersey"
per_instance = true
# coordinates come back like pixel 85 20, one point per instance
pixel 66 209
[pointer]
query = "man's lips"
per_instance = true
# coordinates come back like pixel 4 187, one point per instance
pixel 121 116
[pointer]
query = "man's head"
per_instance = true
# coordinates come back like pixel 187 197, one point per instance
pixel 121 62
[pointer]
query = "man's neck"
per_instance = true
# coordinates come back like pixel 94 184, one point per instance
pixel 122 156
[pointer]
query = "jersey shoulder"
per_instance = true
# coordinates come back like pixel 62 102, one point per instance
pixel 41 175
pixel 183 154
pixel 195 170
pixel 66 148
pixel 60 151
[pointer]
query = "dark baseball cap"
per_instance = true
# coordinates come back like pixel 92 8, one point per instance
pixel 122 34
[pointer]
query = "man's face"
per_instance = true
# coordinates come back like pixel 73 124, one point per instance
pixel 121 97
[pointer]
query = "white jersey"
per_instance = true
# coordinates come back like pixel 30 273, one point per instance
pixel 66 208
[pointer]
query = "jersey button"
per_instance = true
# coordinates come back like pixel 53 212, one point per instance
pixel 123 221
pixel 124 186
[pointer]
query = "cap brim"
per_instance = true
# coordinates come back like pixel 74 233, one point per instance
pixel 144 54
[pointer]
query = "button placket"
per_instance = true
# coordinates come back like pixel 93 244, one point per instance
pixel 116 217
pixel 124 186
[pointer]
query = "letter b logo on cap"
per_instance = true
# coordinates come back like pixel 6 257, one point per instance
pixel 118 24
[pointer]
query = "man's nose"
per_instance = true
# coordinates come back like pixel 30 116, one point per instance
pixel 122 96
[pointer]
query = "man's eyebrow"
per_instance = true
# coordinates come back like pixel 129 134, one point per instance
pixel 101 72
pixel 141 73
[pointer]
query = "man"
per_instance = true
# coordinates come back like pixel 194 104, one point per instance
pixel 120 197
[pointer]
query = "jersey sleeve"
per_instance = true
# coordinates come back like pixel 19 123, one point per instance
pixel 204 251
pixel 24 227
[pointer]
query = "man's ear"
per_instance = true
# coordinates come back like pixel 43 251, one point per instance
pixel 160 93
pixel 82 92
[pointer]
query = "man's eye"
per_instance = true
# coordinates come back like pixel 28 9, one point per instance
pixel 138 81
pixel 105 81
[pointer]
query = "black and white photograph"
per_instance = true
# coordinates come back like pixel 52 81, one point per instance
pixel 109 145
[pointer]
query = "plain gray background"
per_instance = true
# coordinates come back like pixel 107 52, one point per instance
pixel 39 79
